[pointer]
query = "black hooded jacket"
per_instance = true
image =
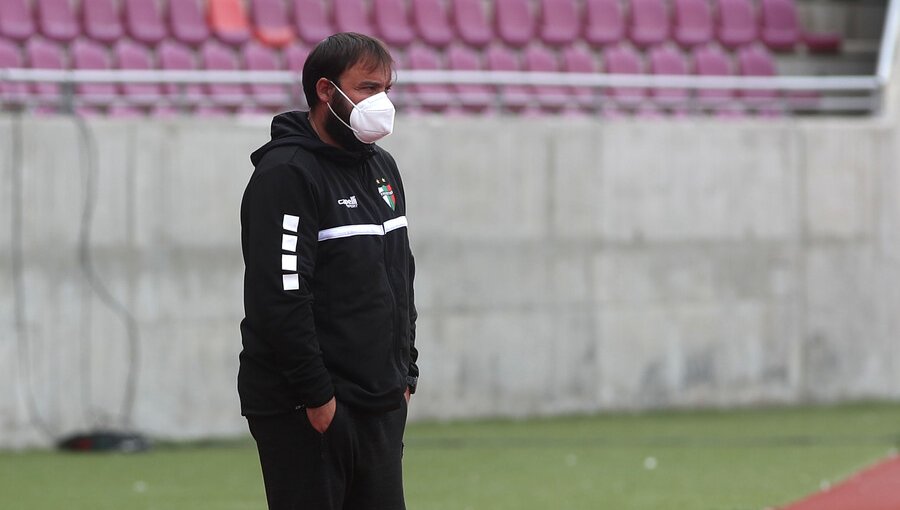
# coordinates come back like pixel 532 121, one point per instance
pixel 328 282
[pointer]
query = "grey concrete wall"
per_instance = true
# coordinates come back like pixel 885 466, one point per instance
pixel 565 265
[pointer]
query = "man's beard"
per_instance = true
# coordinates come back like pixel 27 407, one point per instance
pixel 338 131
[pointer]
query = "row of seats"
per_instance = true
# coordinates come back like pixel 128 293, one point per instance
pixel 399 23
pixel 707 60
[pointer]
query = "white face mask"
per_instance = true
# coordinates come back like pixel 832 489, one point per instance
pixel 371 119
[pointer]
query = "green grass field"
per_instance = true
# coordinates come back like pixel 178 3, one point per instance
pixel 675 460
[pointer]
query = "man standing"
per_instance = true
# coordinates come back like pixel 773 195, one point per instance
pixel 329 357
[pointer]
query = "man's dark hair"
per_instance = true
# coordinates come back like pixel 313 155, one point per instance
pixel 339 52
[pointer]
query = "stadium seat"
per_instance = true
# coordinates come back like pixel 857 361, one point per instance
pixel 187 22
pixel 311 21
pixel 473 97
pixel 537 58
pixel 431 97
pixel 101 20
pixel 578 59
pixel 622 59
pixel 57 21
pixel 144 21
pixel 217 57
pixel 755 60
pixel 16 20
pixel 515 23
pixel 605 24
pixel 471 22
pixel 736 23
pixel 93 56
pixel 431 22
pixel 516 98
pixel 649 22
pixel 270 23
pixel 668 60
pixel 10 57
pixel 392 23
pixel 173 56
pixel 228 21
pixel 295 56
pixel 779 27
pixel 560 24
pixel 710 60
pixel 693 22
pixel 352 16
pixel 41 53
pixel 257 57
pixel 129 55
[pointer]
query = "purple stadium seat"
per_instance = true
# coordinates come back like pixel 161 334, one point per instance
pixel 129 55
pixel 16 20
pixel 537 58
pixel 432 97
pixel 173 56
pixel 217 57
pixel 560 24
pixel 101 20
pixel 779 27
pixel 271 23
pixel 622 59
pixel 188 22
pixel 92 55
pixel 311 21
pixel 56 20
pixel 605 24
pixel 668 60
pixel 392 24
pixel 710 60
pixel 352 16
pixel 473 97
pixel 144 21
pixel 693 22
pixel 228 21
pixel 649 22
pixel 515 24
pixel 295 56
pixel 578 59
pixel 257 57
pixel 755 60
pixel 43 54
pixel 10 57
pixel 736 23
pixel 471 22
pixel 517 98
pixel 431 22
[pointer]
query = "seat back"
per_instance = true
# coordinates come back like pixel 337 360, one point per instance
pixel 57 21
pixel 271 23
pixel 101 20
pixel 649 22
pixel 736 23
pixel 515 24
pixel 501 58
pixel 621 59
pixel 431 22
pixel 352 16
pixel 434 97
pixel 711 61
pixel 605 22
pixel 779 27
pixel 755 60
pixel 392 23
pixel 128 55
pixel 188 22
pixel 228 21
pixel 10 57
pixel 667 60
pixel 144 21
pixel 473 97
pixel 258 57
pixel 471 22
pixel 16 20
pixel 311 21
pixel 693 22
pixel 92 56
pixel 560 24
pixel 537 58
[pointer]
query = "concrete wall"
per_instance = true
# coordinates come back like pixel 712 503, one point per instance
pixel 564 266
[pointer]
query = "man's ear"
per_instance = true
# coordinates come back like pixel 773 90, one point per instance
pixel 324 89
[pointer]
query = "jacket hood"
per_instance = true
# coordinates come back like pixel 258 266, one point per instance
pixel 293 128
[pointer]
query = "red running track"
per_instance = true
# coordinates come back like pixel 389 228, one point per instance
pixel 874 488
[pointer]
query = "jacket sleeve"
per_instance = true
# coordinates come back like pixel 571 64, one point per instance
pixel 279 222
pixel 412 377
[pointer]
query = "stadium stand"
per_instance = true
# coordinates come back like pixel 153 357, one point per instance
pixel 705 38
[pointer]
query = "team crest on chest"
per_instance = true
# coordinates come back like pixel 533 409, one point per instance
pixel 387 192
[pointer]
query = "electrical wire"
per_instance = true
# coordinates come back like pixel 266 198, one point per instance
pixel 88 157
pixel 23 339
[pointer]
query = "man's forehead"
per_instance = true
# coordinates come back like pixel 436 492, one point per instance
pixel 366 72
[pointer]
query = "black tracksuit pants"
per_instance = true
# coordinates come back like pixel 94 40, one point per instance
pixel 354 465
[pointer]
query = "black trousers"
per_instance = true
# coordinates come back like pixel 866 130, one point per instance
pixel 354 465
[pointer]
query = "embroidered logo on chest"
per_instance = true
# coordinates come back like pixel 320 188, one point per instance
pixel 387 192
